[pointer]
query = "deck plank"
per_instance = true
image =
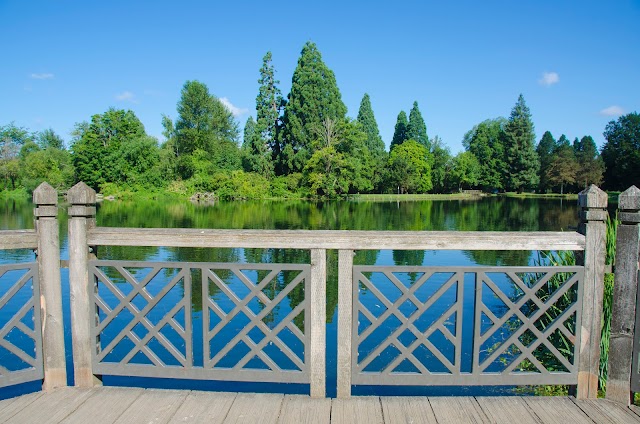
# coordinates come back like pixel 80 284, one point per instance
pixel 52 407
pixel 407 410
pixel 507 409
pixel 305 410
pixel 255 408
pixel 10 407
pixel 604 411
pixel 457 410
pixel 356 410
pixel 204 407
pixel 153 406
pixel 556 410
pixel 105 406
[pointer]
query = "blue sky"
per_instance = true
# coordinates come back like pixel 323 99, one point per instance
pixel 577 63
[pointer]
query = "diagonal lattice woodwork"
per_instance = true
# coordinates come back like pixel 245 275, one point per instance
pixel 420 312
pixel 260 313
pixel 408 325
pixel 525 322
pixel 146 313
pixel 20 335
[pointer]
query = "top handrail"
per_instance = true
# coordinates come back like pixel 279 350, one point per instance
pixel 18 239
pixel 336 239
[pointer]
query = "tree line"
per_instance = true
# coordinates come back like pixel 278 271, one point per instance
pixel 305 145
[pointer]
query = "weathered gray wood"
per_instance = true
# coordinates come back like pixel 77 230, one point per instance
pixel 254 408
pixel 53 406
pixel 556 410
pixel 607 412
pixel 507 409
pixel 356 410
pixel 318 301
pixel 11 407
pixel 456 410
pixel 18 239
pixel 593 202
pixel 204 407
pixel 45 199
pixel 625 291
pixel 105 406
pixel 345 308
pixel 304 410
pixel 81 197
pixel 337 239
pixel 153 406
pixel 407 410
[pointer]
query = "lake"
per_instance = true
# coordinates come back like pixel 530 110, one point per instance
pixel 484 214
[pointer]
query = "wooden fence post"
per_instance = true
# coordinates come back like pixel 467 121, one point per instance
pixel 45 199
pixel 81 217
pixel 318 341
pixel 345 321
pixel 625 292
pixel 593 215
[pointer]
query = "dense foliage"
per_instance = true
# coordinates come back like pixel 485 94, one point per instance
pixel 307 146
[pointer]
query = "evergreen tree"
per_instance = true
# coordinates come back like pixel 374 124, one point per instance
pixel 621 152
pixel 400 131
pixel 269 104
pixel 314 97
pixel 590 165
pixel 416 128
pixel 486 142
pixel 373 142
pixel 545 149
pixel 520 152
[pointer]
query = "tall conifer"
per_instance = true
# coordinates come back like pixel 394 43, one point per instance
pixel 521 156
pixel 400 131
pixel 416 128
pixel 314 98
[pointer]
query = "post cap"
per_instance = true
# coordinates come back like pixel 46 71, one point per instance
pixel 629 200
pixel 45 195
pixel 81 194
pixel 592 197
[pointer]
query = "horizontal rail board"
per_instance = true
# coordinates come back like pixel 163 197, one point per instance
pixel 336 239
pixel 18 239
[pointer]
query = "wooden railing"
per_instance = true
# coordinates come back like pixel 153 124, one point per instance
pixel 87 320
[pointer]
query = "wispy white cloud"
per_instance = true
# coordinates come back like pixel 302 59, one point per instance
pixel 612 111
pixel 42 76
pixel 549 78
pixel 235 111
pixel 126 96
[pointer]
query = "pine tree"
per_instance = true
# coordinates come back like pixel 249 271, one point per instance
pixel 314 97
pixel 545 149
pixel 416 128
pixel 373 142
pixel 520 153
pixel 400 131
pixel 269 104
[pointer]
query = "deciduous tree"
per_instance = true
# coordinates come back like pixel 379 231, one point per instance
pixel 621 152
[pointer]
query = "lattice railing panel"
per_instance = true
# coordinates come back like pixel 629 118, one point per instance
pixel 20 334
pixel 223 321
pixel 519 325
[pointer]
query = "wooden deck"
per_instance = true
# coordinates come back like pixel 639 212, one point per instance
pixel 132 405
